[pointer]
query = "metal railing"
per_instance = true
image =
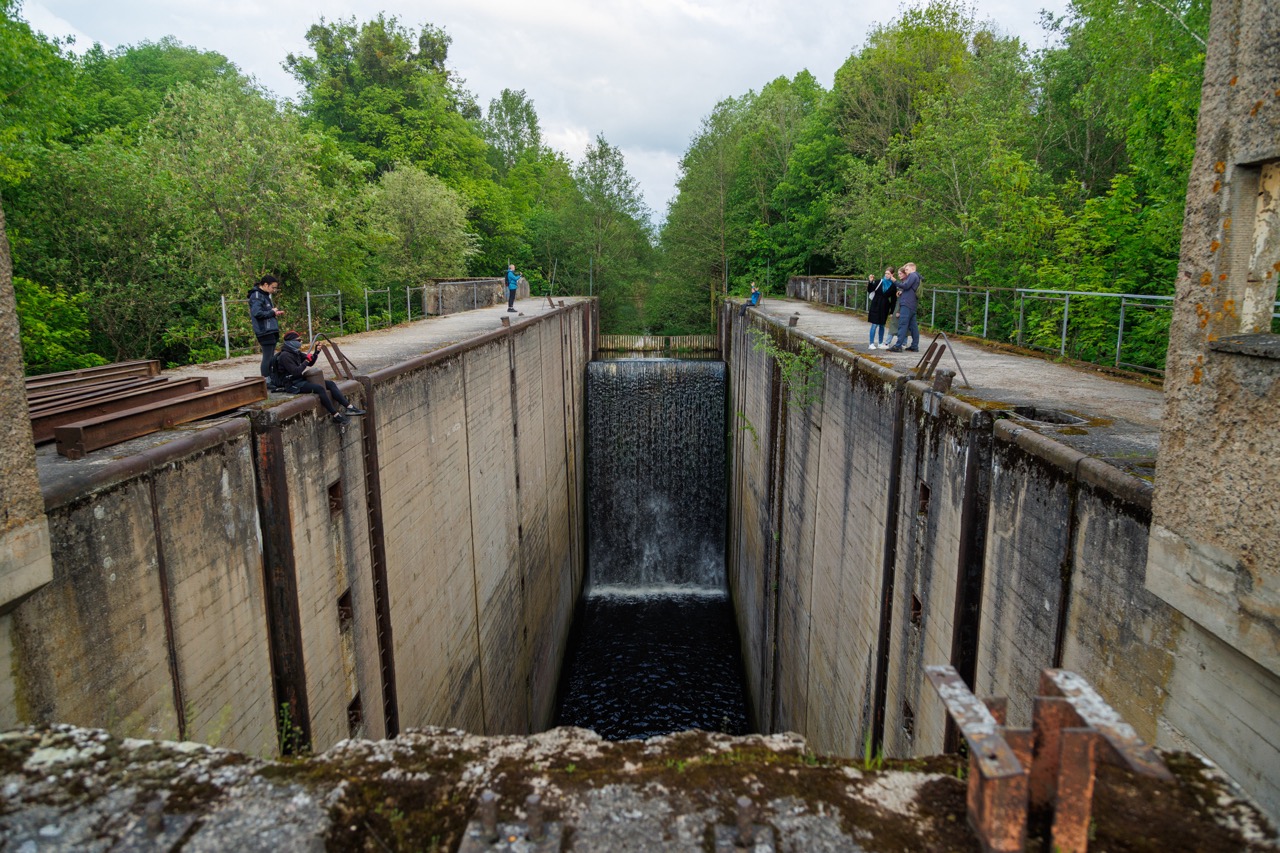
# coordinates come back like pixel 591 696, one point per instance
pixel 1126 330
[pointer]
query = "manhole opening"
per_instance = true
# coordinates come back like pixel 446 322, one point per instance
pixel 1043 415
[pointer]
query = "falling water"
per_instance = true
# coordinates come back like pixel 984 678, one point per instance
pixel 655 483
pixel 654 647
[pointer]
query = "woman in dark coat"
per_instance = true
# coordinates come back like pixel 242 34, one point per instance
pixel 883 297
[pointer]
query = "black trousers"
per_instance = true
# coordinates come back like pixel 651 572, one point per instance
pixel 268 344
pixel 511 297
pixel 328 394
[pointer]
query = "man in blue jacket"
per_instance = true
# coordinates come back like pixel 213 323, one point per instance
pixel 908 295
pixel 263 312
pixel 513 282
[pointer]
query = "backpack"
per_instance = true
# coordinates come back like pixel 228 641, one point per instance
pixel 277 379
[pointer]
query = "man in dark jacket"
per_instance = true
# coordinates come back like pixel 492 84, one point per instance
pixel 263 312
pixel 291 366
pixel 908 296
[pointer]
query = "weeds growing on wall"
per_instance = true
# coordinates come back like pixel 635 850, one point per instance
pixel 800 369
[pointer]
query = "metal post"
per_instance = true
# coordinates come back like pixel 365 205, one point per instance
pixel 341 327
pixel 311 336
pixel 226 334
pixel 933 309
pixel 408 307
pixel 1120 332
pixel 1066 310
pixel 1022 312
pixel 986 305
pixel 366 309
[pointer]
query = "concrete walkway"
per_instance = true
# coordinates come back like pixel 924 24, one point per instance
pixel 1123 416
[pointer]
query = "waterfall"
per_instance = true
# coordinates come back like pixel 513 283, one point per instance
pixel 656 475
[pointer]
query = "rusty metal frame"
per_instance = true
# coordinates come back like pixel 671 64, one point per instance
pixel 90 375
pixel 77 439
pixel 53 398
pixel 1073 729
pixel 341 366
pixel 45 421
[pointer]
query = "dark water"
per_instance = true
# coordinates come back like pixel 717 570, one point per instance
pixel 654 649
pixel 640 666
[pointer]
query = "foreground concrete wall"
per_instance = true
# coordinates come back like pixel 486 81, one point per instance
pixel 1007 553
pixel 277 577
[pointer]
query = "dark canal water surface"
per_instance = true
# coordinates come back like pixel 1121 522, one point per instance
pixel 644 665
pixel 654 648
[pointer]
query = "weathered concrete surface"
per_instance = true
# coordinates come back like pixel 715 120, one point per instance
pixel 75 789
pixel 206 576
pixel 1214 550
pixel 903 528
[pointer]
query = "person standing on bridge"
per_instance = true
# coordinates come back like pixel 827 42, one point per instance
pixel 882 299
pixel 263 313
pixel 513 283
pixel 908 299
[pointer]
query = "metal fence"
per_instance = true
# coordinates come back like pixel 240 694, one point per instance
pixel 327 314
pixel 1128 330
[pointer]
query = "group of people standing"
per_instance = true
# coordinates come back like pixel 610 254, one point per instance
pixel 894 299
pixel 286 370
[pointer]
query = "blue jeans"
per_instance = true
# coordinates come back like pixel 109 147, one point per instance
pixel 908 325
pixel 874 329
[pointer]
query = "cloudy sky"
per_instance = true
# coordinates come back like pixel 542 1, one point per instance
pixel 641 72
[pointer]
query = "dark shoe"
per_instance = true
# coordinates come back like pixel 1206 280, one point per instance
pixel 913 349
pixel 511 310
pixel 340 419
pixel 353 411
pixel 895 349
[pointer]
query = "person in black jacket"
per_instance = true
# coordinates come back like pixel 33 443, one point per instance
pixel 291 366
pixel 264 314
pixel 882 297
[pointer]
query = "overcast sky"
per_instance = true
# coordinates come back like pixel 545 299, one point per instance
pixel 641 72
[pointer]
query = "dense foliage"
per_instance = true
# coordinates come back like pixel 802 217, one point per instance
pixel 945 142
pixel 143 184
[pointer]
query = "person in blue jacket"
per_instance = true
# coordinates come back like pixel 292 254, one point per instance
pixel 908 295
pixel 513 282
pixel 264 314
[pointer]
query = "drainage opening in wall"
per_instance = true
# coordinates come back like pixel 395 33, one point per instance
pixel 1044 415
pixel 654 648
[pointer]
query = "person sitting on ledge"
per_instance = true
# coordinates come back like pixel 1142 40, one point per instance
pixel 291 368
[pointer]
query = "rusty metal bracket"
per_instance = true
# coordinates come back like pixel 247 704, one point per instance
pixel 341 365
pixel 997 798
pixel 1073 729
pixel 929 361
pixel 44 421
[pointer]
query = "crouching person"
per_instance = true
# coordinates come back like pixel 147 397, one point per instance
pixel 291 367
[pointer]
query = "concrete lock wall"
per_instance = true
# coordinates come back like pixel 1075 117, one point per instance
pixel 273 575
pixel 886 527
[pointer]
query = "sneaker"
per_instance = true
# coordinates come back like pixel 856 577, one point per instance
pixel 873 346
pixel 352 410
pixel 913 349
pixel 511 310
pixel 895 349
pixel 339 419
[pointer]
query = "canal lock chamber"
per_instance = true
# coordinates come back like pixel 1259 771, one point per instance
pixel 654 646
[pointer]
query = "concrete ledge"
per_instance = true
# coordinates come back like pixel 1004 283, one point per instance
pixel 87 480
pixel 1045 449
pixel 299 404
pixel 27 562
pixel 1107 478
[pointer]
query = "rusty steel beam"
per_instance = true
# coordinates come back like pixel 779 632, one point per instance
pixel 75 440
pixel 1124 747
pixel 45 421
pixel 64 396
pixel 997 795
pixel 89 375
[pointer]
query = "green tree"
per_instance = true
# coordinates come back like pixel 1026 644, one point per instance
pixel 34 77
pixel 420 226
pixel 54 328
pixel 511 130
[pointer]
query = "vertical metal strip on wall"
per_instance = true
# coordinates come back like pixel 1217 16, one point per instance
pixel 890 566
pixel 166 600
pixel 280 581
pixel 378 560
